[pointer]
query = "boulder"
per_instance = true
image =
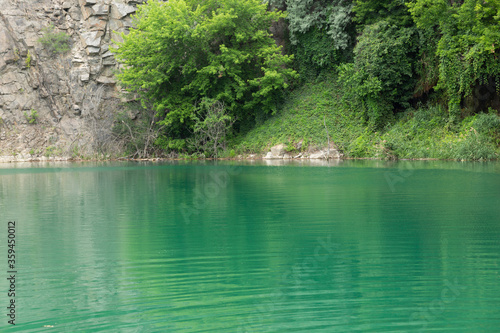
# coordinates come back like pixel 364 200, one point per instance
pixel 278 150
pixel 317 155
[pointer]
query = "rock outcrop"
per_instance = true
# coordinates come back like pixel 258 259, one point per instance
pixel 59 102
pixel 279 152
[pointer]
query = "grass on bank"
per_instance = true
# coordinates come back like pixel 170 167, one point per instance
pixel 425 132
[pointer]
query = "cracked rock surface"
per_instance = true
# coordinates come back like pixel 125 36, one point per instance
pixel 58 102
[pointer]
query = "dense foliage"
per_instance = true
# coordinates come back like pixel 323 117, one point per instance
pixel 183 51
pixel 382 76
pixel 468 43
pixel 320 32
pixel 392 78
pixel 371 11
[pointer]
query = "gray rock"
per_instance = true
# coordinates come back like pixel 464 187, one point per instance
pixel 119 10
pixel 323 154
pixel 60 87
pixel 278 150
pixel 85 77
pixel 96 23
pixel 317 155
pixel 100 9
pixel 91 38
pixel 93 50
pixel 106 80
pixel 67 5
pixel 268 156
pixel 87 12
pixel 76 110
pixel 109 61
pixel 106 54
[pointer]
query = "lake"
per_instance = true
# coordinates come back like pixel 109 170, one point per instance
pixel 352 246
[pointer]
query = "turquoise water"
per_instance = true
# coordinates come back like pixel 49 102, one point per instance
pixel 355 246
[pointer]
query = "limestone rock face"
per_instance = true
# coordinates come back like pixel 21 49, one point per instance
pixel 64 101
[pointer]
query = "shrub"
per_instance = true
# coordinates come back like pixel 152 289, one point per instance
pixel 487 124
pixel 27 62
pixel 139 136
pixel 32 116
pixel 55 42
pixel 211 125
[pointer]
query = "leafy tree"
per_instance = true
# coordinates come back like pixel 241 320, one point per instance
pixel 182 51
pixel 468 46
pixel 387 53
pixel 383 71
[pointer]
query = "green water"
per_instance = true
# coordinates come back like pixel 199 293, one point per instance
pixel 181 247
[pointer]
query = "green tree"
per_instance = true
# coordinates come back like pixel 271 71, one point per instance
pixel 182 51
pixel 382 75
pixel 468 46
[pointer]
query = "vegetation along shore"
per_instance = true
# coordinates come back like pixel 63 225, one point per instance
pixel 416 79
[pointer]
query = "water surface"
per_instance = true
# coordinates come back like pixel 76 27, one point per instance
pixel 355 246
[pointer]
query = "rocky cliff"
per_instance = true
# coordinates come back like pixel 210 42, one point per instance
pixel 53 102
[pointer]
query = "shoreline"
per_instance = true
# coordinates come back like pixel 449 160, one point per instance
pixel 249 157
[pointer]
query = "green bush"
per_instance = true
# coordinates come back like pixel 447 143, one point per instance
pixel 32 116
pixel 473 146
pixel 315 52
pixel 428 133
pixel 27 62
pixel 363 145
pixel 381 78
pixel 487 124
pixel 387 53
pixel 169 144
pixel 55 42
pixel 371 11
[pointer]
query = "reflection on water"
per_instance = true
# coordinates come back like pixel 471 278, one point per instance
pixel 349 246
